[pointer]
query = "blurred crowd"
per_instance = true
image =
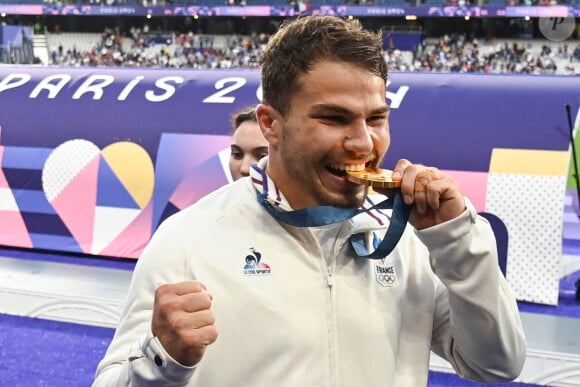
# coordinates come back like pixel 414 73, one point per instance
pixel 179 51
pixel 451 53
pixel 456 53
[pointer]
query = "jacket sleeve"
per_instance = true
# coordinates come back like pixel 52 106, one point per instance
pixel 134 356
pixel 477 325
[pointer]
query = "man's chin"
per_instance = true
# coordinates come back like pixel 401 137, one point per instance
pixel 353 200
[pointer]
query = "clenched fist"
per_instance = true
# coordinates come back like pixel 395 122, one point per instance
pixel 183 320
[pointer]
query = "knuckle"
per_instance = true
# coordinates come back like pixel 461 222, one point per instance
pixel 169 305
pixel 201 301
pixel 161 290
pixel 173 303
pixel 210 317
pixel 180 324
pixel 423 180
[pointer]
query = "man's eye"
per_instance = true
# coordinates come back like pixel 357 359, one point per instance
pixel 376 119
pixel 237 155
pixel 334 119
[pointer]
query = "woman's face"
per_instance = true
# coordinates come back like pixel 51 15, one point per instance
pixel 247 147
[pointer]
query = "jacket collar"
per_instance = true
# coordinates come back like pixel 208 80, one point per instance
pixel 369 220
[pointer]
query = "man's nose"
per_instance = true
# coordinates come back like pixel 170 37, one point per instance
pixel 358 138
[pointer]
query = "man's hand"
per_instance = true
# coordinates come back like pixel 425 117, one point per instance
pixel 183 320
pixel 435 196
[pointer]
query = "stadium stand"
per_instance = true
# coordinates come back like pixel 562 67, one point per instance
pixel 486 45
pixel 450 53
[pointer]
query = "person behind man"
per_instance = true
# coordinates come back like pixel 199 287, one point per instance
pixel 309 311
pixel 248 144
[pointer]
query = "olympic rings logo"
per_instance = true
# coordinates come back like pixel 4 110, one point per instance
pixel 387 279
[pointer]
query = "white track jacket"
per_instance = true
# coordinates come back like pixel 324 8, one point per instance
pixel 295 307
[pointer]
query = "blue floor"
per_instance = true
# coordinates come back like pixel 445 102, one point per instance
pixel 440 379
pixel 35 352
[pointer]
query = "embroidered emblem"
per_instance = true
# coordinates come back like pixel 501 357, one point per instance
pixel 385 274
pixel 254 264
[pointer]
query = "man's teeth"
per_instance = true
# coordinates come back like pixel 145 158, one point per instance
pixel 349 167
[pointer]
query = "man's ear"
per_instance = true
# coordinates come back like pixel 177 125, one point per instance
pixel 269 120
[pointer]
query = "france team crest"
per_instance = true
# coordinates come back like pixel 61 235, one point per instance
pixel 385 274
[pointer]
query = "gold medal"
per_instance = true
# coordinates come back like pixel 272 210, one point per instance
pixel 375 177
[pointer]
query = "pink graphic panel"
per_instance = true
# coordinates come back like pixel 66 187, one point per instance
pixel 131 242
pixel 201 181
pixel 473 185
pixel 13 231
pixel 76 204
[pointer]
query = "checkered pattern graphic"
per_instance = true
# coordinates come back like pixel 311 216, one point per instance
pixel 65 163
pixel 531 206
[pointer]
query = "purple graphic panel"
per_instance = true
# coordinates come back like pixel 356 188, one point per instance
pixel 176 122
pixel 436 118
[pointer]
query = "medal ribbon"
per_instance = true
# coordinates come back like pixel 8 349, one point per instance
pixel 325 215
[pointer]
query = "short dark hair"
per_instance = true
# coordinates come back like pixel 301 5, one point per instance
pixel 300 43
pixel 247 113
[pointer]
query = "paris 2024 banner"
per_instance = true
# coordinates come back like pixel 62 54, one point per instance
pixel 94 159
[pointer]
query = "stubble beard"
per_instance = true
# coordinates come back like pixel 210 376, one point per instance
pixel 355 200
pixel 292 158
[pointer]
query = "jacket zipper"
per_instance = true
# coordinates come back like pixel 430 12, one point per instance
pixel 330 283
pixel 330 277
